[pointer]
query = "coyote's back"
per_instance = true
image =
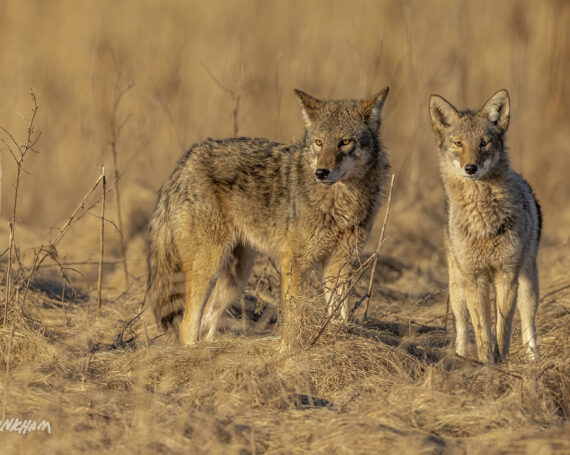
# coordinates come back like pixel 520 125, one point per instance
pixel 311 204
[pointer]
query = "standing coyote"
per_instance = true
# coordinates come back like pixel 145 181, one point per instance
pixel 311 204
pixel 493 229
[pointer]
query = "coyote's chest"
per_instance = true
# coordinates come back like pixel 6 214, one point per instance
pixel 480 229
pixel 345 217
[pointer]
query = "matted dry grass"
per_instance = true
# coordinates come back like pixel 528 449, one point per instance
pixel 389 385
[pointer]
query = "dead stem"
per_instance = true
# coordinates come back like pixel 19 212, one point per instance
pixel 102 242
pixel 380 241
pixel 116 133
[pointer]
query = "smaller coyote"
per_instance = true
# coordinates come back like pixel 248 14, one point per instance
pixel 311 204
pixel 493 228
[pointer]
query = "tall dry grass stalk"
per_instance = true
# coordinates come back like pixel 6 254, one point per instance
pixel 380 241
pixel 235 94
pixel 19 153
pixel 102 240
pixel 116 129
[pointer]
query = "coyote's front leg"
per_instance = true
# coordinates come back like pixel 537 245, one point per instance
pixel 337 280
pixel 294 274
pixel 477 296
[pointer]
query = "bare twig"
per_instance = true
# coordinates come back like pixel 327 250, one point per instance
pixel 369 293
pixel 116 133
pixel 81 206
pixel 119 342
pixel 102 242
pixel 22 151
pixel 235 94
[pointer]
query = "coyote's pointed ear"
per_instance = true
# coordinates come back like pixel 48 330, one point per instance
pixel 371 108
pixel 442 113
pixel 498 109
pixel 310 107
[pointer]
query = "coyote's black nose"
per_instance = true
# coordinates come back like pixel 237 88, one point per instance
pixel 321 173
pixel 471 168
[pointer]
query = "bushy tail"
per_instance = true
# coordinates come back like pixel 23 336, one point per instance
pixel 163 264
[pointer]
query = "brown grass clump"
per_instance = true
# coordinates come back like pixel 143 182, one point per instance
pixel 111 382
pixel 381 386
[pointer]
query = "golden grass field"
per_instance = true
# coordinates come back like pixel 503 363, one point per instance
pixel 148 79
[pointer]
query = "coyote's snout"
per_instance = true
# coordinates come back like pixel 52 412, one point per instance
pixel 333 160
pixel 493 228
pixel 311 204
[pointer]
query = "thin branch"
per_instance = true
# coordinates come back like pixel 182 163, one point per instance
pixel 106 220
pixel 102 242
pixel 116 133
pixel 81 205
pixel 226 89
pixel 23 149
pixel 369 293
pixel 235 94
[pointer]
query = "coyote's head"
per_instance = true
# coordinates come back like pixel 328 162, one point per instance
pixel 342 136
pixel 471 140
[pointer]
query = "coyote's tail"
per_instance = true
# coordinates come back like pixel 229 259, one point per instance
pixel 163 264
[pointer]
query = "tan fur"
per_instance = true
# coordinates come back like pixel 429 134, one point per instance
pixel 493 228
pixel 312 204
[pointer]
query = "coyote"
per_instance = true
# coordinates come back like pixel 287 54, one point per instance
pixel 493 228
pixel 311 204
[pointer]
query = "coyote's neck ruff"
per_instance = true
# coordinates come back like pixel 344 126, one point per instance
pixel 482 208
pixel 348 204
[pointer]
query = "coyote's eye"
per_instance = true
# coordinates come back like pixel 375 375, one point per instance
pixel 458 144
pixel 345 141
pixel 318 143
pixel 483 143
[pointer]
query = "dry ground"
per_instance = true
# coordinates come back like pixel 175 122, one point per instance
pixel 390 384
pixel 111 383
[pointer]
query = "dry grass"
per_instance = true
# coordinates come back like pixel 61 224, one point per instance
pixel 199 69
pixel 384 386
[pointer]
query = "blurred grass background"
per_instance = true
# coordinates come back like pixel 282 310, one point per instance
pixel 78 56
